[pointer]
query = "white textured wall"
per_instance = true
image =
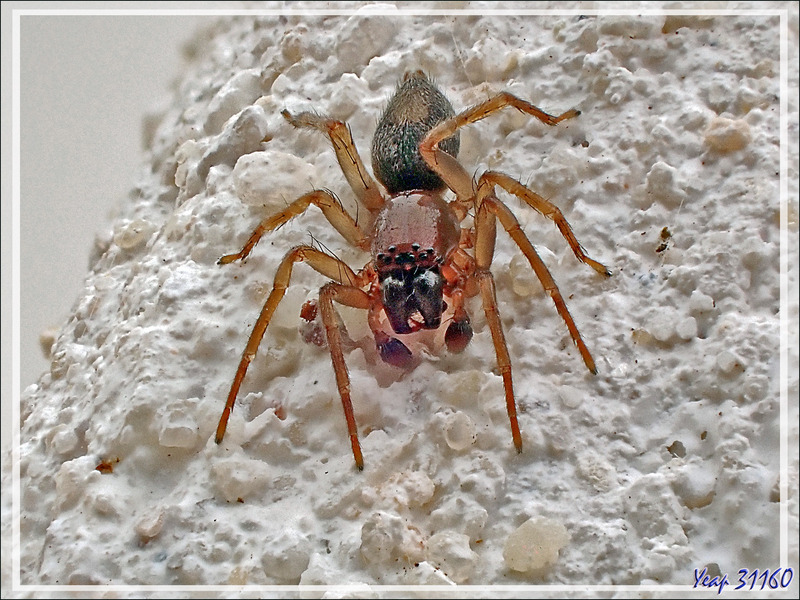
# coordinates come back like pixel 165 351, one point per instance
pixel 664 462
pixel 86 83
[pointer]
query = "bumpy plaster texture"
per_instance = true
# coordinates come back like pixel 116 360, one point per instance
pixel 665 461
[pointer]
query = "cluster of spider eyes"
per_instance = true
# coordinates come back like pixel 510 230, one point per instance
pixel 406 258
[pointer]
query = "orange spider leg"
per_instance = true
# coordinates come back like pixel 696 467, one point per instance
pixel 355 172
pixel 488 203
pixel 357 298
pixel 485 235
pixel 447 128
pixel 546 208
pixel 489 299
pixel 489 208
pixel 448 167
pixel 325 264
pixel 326 202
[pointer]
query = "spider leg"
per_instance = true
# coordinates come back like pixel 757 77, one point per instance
pixel 485 201
pixel 489 208
pixel 546 208
pixel 349 296
pixel 447 128
pixel 485 235
pixel 364 186
pixel 326 202
pixel 325 264
pixel 448 167
pixel 489 299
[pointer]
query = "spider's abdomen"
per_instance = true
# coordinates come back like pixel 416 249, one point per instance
pixel 416 107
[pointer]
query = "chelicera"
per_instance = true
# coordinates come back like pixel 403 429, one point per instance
pixel 423 263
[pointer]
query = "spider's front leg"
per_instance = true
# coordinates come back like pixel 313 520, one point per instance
pixel 489 300
pixel 485 236
pixel 325 264
pixel 347 295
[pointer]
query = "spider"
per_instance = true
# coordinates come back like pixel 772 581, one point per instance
pixel 423 262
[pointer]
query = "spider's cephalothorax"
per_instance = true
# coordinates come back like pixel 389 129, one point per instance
pixel 414 236
pixel 423 262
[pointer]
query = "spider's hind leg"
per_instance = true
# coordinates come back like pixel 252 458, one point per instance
pixel 447 167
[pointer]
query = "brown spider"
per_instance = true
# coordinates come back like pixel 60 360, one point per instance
pixel 419 250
